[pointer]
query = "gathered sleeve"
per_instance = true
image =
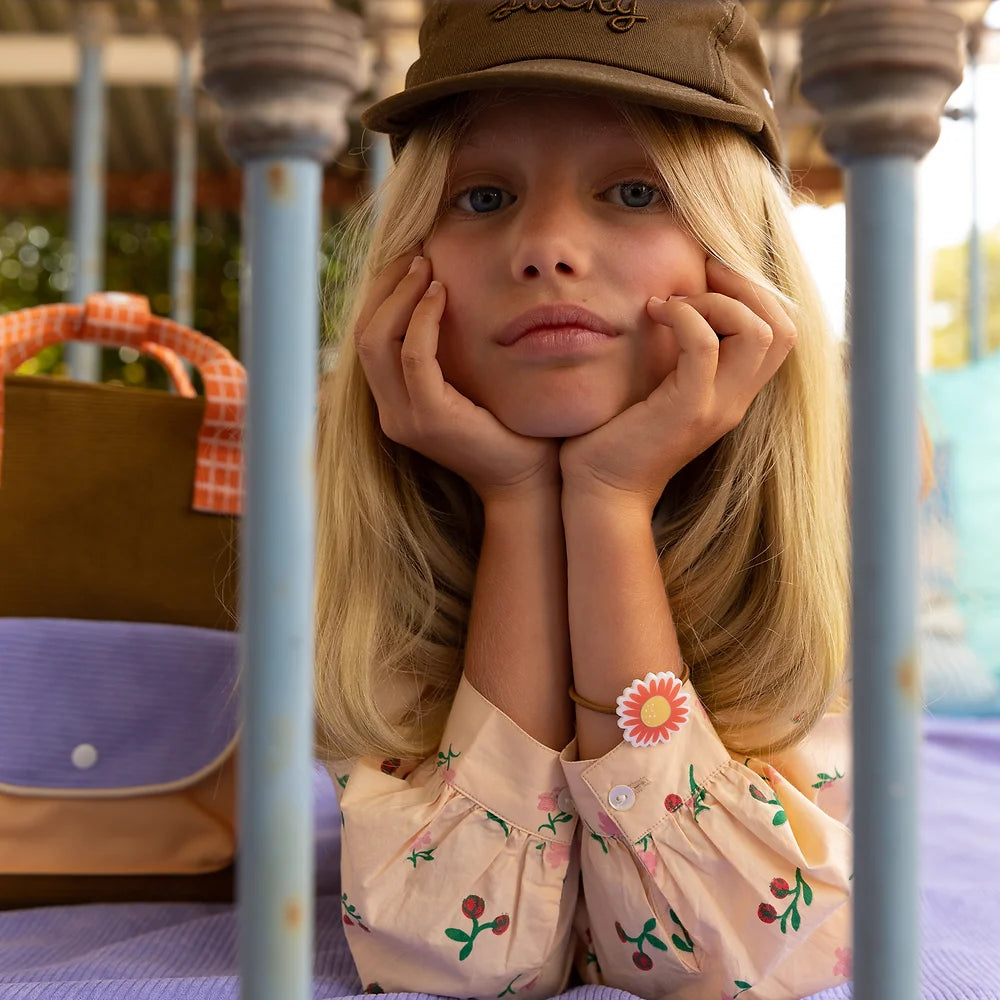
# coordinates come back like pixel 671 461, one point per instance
pixel 458 876
pixel 708 876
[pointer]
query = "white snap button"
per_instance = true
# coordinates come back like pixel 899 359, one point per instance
pixel 565 802
pixel 84 756
pixel 621 797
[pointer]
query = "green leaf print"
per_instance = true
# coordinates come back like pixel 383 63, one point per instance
pixel 456 935
pixel 827 779
pixel 502 824
pixel 685 943
pixel 698 794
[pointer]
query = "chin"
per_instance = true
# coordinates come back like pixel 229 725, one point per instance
pixel 556 424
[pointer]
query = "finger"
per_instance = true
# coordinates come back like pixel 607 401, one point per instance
pixel 425 382
pixel 746 341
pixel 383 286
pixel 699 346
pixel 763 302
pixel 379 344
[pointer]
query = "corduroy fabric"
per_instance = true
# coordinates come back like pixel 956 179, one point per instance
pixel 698 57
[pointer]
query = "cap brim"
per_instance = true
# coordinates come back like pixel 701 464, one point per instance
pixel 397 115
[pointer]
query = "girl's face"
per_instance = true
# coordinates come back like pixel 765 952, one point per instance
pixel 552 203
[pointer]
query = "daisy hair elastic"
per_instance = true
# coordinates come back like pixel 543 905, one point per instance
pixel 649 710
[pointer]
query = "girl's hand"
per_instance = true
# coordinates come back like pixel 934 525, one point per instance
pixel 397 338
pixel 732 339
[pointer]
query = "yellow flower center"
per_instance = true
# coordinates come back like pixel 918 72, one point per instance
pixel 655 711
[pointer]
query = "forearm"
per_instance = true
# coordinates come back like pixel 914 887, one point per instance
pixel 620 623
pixel 517 650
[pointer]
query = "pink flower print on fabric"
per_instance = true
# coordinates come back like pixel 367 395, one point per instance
pixel 845 963
pixel 649 859
pixel 422 841
pixel 608 827
pixel 556 854
pixel 549 801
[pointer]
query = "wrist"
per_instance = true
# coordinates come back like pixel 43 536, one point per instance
pixel 600 506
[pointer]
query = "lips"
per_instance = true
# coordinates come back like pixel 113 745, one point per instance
pixel 553 317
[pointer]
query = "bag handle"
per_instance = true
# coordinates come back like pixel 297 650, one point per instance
pixel 171 362
pixel 117 319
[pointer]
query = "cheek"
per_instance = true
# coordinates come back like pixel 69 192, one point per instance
pixel 660 358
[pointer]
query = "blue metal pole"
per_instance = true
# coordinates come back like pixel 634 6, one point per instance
pixel 88 201
pixel 882 270
pixel 281 336
pixel 881 73
pixel 283 73
pixel 185 159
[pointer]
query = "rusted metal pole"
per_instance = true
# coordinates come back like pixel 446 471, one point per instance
pixel 283 71
pixel 880 74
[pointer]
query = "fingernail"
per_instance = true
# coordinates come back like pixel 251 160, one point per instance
pixel 432 289
pixel 417 261
pixel 679 298
pixel 655 300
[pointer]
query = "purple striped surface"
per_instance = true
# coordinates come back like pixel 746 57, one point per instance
pixel 188 952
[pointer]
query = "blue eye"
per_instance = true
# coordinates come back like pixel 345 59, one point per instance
pixel 635 194
pixel 482 200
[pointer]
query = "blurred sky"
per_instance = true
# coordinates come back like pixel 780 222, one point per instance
pixel 945 199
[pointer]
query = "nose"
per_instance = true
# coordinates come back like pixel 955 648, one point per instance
pixel 553 238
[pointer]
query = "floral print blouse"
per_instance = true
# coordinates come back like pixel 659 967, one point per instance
pixel 497 866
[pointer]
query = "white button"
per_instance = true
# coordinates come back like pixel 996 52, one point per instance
pixel 621 797
pixel 565 802
pixel 84 756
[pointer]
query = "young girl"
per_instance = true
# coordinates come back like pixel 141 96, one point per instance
pixel 582 591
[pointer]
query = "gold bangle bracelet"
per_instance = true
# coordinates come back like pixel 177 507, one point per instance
pixel 591 705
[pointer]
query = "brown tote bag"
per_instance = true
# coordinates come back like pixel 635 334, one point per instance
pixel 118 543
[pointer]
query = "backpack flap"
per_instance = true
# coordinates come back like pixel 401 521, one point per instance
pixel 116 747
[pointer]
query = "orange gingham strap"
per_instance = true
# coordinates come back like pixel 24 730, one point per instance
pixel 176 371
pixel 115 319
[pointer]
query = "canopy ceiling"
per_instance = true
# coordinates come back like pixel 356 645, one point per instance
pixel 38 64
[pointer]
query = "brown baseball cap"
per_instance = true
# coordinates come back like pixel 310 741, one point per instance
pixel 698 57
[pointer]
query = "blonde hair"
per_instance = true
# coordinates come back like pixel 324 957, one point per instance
pixel 752 535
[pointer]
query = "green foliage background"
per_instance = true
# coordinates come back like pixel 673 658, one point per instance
pixel 36 263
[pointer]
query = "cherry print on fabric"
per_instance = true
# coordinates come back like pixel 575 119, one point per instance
pixel 651 710
pixel 522 987
pixel 640 959
pixel 474 907
pixel 351 915
pixel 780 889
pixel 779 817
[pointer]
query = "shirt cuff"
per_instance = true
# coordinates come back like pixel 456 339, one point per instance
pixel 487 757
pixel 631 789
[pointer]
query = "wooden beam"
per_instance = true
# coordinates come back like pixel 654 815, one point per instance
pixel 823 184
pixel 148 192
